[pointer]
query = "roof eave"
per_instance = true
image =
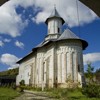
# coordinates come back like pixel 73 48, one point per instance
pixel 55 17
pixel 21 60
pixel 84 43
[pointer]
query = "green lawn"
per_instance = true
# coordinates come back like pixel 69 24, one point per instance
pixel 64 94
pixel 77 95
pixel 8 93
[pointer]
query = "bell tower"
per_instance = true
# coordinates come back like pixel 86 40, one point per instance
pixel 54 23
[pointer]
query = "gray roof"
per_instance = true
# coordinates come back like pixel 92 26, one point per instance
pixel 67 34
pixel 41 44
pixel 54 14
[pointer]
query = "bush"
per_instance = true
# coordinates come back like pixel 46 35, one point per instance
pixel 22 82
pixel 91 90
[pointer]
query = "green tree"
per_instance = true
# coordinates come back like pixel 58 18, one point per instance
pixel 92 89
pixel 90 74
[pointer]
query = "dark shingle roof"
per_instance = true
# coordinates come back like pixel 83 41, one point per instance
pixel 54 14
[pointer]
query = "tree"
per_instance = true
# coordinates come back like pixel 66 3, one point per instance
pixel 97 74
pixel 90 74
pixel 92 89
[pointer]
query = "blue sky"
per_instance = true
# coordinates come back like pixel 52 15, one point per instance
pixel 22 27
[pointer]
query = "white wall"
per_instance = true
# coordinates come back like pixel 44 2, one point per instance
pixel 58 60
pixel 69 55
pixel 53 25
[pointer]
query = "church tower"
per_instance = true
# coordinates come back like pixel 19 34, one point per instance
pixel 57 61
pixel 54 22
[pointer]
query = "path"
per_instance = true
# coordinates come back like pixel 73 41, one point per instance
pixel 29 95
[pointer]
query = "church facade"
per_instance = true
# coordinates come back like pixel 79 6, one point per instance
pixel 56 59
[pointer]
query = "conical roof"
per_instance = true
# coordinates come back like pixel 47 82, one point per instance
pixel 54 14
pixel 69 35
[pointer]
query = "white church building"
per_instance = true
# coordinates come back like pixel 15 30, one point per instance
pixel 55 59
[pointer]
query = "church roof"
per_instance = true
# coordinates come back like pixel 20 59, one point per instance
pixel 67 34
pixel 54 14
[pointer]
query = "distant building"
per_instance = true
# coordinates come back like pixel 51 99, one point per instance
pixel 55 59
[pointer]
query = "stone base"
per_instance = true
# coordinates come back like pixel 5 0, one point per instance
pixel 68 85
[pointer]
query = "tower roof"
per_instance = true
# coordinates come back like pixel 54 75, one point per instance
pixel 54 14
pixel 69 35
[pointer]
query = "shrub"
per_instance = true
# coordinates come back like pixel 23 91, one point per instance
pixel 71 83
pixel 22 82
pixel 13 85
pixel 91 90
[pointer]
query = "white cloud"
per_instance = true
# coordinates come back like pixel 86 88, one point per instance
pixel 19 44
pixel 9 60
pixel 1 43
pixel 67 9
pixel 7 40
pixel 11 23
pixel 91 57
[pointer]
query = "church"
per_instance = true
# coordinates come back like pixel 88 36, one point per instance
pixel 56 59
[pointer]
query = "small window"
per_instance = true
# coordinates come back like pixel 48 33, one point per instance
pixel 79 68
pixel 58 30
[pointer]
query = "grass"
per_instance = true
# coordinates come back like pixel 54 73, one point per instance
pixel 61 93
pixel 69 94
pixel 8 93
pixel 77 95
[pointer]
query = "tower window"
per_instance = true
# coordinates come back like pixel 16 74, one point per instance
pixel 78 68
pixel 58 29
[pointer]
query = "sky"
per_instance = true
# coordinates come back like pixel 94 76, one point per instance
pixel 22 27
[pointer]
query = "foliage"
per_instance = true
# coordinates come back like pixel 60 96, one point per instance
pixel 68 94
pixel 22 83
pixel 11 72
pixel 91 90
pixel 97 76
pixel 89 74
pixel 8 93
pixel 71 83
pixel 60 93
pixel 98 71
